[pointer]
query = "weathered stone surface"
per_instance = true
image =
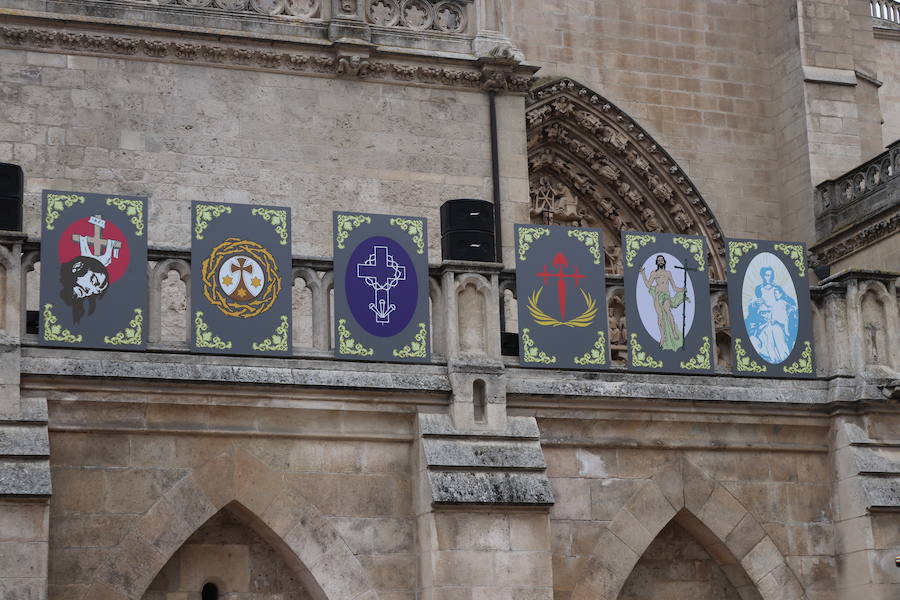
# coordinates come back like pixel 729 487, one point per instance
pixel 516 427
pixel 25 478
pixel 482 454
pixel 464 487
pixel 24 440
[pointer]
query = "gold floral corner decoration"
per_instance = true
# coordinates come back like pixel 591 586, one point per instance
pixel 346 224
pixel 205 215
pixel 277 342
pixel 416 230
pixel 204 337
pixel 597 354
pixel 532 353
pixel 804 364
pixel 56 203
pixel 277 218
pixel 54 332
pixel 694 246
pixel 743 361
pixel 795 253
pixel 591 239
pixel 736 250
pixel 417 347
pixel 131 208
pixel 703 358
pixel 529 235
pixel 639 358
pixel 131 335
pixel 346 343
pixel 633 243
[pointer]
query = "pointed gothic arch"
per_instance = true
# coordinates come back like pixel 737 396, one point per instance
pixel 277 511
pixel 590 164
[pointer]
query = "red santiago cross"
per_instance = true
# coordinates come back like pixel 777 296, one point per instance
pixel 560 261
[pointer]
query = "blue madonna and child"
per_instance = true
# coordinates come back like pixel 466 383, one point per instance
pixel 771 319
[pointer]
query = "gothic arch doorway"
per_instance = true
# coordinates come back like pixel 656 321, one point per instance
pixel 590 164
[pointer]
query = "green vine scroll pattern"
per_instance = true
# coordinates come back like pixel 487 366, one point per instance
pixel 529 235
pixel 204 338
pixel 417 347
pixel 597 354
pixel 276 342
pixel 795 253
pixel 695 247
pixel 743 360
pixel 131 335
pixel 804 363
pixel 205 215
pixel 56 203
pixel 54 332
pixel 346 224
pixel 530 351
pixel 416 229
pixel 633 243
pixel 276 218
pixel 346 343
pixel 639 358
pixel 131 208
pixel 703 358
pixel 736 250
pixel 591 239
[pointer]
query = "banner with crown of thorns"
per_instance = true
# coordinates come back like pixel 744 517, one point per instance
pixel 561 291
pixel 241 293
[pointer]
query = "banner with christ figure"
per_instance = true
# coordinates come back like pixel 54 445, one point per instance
pixel 93 270
pixel 561 294
pixel 241 279
pixel 768 301
pixel 667 303
pixel 381 288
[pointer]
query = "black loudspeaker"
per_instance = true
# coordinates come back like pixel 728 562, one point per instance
pixel 464 214
pixel 12 188
pixel 468 245
pixel 509 344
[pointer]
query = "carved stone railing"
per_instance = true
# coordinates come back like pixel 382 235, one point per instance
pixel 445 16
pixel 858 208
pixel 885 10
pixel 300 9
pixel 472 304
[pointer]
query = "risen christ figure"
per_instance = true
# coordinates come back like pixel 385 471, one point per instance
pixel 658 284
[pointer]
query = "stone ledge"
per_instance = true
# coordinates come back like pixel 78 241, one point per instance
pixel 25 478
pixel 24 440
pixel 465 487
pixel 442 425
pixel 483 454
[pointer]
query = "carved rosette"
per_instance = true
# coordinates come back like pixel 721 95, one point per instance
pixel 416 14
pixel 383 12
pixel 591 165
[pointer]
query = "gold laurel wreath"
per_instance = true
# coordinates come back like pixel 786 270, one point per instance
pixel 542 318
pixel 221 253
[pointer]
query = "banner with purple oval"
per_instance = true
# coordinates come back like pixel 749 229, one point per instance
pixel 769 306
pixel 381 288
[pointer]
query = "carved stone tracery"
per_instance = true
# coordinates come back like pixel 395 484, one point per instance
pixel 591 165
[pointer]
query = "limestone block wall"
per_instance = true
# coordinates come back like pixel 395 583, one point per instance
pixel 888 58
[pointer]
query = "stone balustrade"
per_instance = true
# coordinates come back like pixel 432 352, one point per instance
pixel 886 10
pixel 855 314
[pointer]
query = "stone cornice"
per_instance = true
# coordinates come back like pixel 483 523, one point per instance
pixel 336 60
pixel 846 243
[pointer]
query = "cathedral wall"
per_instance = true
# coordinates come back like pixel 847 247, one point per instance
pixel 695 74
pixel 178 133
pixel 888 57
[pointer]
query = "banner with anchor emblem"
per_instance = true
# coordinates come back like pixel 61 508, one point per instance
pixel 242 279
pixel 667 303
pixel 769 306
pixel 381 287
pixel 561 293
pixel 93 271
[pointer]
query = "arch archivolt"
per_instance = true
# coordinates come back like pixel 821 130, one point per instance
pixel 275 510
pixel 680 491
pixel 590 165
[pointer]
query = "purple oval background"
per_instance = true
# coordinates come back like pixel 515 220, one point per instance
pixel 405 295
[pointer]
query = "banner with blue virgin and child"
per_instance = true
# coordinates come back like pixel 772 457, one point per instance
pixel 768 300
pixel 93 271
pixel 667 302
pixel 561 293
pixel 381 287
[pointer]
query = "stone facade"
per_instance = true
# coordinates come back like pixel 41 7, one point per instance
pixel 145 475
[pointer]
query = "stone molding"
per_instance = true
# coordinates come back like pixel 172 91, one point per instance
pixel 590 164
pixel 845 244
pixel 337 61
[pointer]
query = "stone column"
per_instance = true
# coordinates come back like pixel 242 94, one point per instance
pixel 25 450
